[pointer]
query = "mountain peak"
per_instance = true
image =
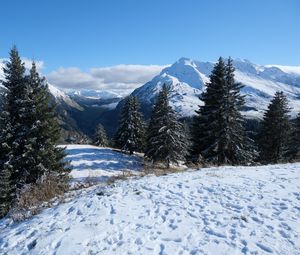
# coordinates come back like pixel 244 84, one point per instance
pixel 185 61
pixel 188 78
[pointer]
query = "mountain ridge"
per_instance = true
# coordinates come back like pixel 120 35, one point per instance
pixel 187 79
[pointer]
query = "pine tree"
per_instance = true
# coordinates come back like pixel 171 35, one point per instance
pixel 294 140
pixel 43 155
pixel 6 189
pixel 15 102
pixel 166 140
pixel 218 130
pixel 275 131
pixel 100 137
pixel 29 132
pixel 130 135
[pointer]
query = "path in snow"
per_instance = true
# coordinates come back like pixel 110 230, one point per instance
pixel 230 210
pixel 99 163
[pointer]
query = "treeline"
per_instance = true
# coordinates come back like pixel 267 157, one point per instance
pixel 217 135
pixel 29 135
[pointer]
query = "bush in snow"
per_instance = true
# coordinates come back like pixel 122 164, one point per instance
pixel 34 197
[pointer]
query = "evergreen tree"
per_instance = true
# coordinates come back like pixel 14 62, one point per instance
pixel 100 137
pixel 294 140
pixel 6 190
pixel 29 132
pixel 275 131
pixel 43 155
pixel 130 135
pixel 166 141
pixel 218 130
pixel 15 109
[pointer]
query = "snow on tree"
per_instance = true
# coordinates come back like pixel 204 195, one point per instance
pixel 29 131
pixel 100 137
pixel 16 111
pixel 275 130
pixel 218 132
pixel 130 135
pixel 44 157
pixel 294 140
pixel 6 190
pixel 166 140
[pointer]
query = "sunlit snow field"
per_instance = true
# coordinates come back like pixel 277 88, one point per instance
pixel 226 210
pixel 98 163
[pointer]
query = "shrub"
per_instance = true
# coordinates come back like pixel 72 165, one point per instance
pixel 34 197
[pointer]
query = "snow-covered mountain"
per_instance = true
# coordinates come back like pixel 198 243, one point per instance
pixel 187 79
pixel 94 94
pixel 58 95
pixel 65 107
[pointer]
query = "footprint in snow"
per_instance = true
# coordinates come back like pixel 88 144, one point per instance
pixel 264 247
pixel 138 241
pixel 112 210
pixel 31 245
pixel 71 209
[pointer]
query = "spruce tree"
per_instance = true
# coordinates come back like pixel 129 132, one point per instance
pixel 130 135
pixel 218 130
pixel 100 137
pixel 43 155
pixel 29 132
pixel 275 131
pixel 166 140
pixel 15 108
pixel 6 189
pixel 293 150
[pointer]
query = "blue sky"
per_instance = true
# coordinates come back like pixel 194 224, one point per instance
pixel 90 33
pixel 102 33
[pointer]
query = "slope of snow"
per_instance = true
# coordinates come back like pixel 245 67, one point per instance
pixel 188 79
pixel 226 210
pixel 288 69
pixel 100 163
pixel 59 95
pixel 183 98
pixel 56 92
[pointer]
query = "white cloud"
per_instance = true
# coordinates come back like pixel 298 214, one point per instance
pixel 73 78
pixel 27 63
pixel 116 78
pixel 120 78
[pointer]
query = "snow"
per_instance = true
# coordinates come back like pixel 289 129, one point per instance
pixel 188 79
pixel 56 92
pixel 110 106
pixel 220 210
pixel 288 69
pixel 89 161
pixel 94 94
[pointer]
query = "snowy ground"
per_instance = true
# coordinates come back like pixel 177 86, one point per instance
pixel 229 210
pixel 89 161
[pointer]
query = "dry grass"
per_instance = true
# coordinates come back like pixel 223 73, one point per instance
pixel 34 197
pixel 160 169
pixel 123 176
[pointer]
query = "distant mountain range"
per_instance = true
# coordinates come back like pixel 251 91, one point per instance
pixel 187 79
pixel 81 110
